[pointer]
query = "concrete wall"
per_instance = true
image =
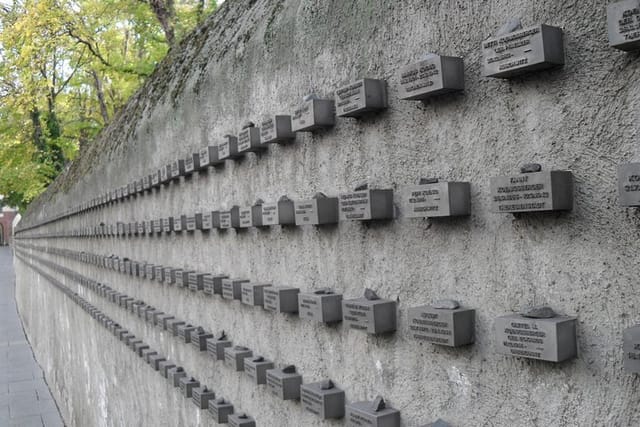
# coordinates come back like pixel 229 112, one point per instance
pixel 260 57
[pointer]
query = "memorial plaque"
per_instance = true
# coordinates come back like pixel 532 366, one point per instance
pixel 167 274
pixel 631 348
pixel 256 214
pixel 532 192
pixel 175 374
pixel 234 357
pixel 220 409
pixel 432 76
pixel 199 339
pixel 184 332
pixel 228 148
pixel 157 226
pixel 155 179
pixel 280 213
pixel 139 186
pixel 551 339
pixel 190 222
pixel 176 276
pixel 246 217
pixel 209 157
pixel 313 115
pixel 173 325
pixel 320 210
pixel 167 224
pixel 253 293
pixel 323 305
pixel 249 140
pixel 164 367
pixel 161 321
pixel 235 217
pixel 149 227
pixel 225 220
pixel 437 199
pixel 216 346
pixel 523 51
pixel 629 184
pixel 284 383
pixel 176 169
pixel 370 314
pixel 196 281
pixel 202 396
pixel 148 352
pixel 241 420
pixel 213 284
pixel 281 299
pixel 323 399
pixel 159 273
pixel 361 97
pixel 138 347
pixel 232 288
pixel 150 271
pixel 184 281
pixel 623 24
pixel 276 129
pixel 146 183
pixel 164 174
pixel 256 368
pixel 203 221
pixel 442 326
pixel 187 385
pixel 366 205
pixel 372 414
pixel 191 164
pixel 179 223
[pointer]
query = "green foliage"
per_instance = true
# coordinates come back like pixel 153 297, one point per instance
pixel 66 68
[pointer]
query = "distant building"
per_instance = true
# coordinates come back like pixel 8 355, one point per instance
pixel 7 217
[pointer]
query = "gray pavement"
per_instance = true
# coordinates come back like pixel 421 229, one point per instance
pixel 25 399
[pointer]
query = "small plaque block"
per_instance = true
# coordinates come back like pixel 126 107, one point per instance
pixel 175 374
pixel 209 157
pixel 190 223
pixel 623 24
pixel 523 51
pixel 220 409
pixel 184 332
pixel 191 164
pixel 249 140
pixel 159 273
pixel 196 281
pixel 176 276
pixel 371 316
pixel 232 288
pixel 276 129
pixel 225 220
pixel 256 215
pixel 279 213
pixel 180 223
pixel 245 217
pixel 146 183
pixel 202 396
pixel 147 353
pixel 234 357
pixel 629 184
pixel 199 339
pixel 161 321
pixel 164 174
pixel 326 403
pixel 203 221
pixel 631 348
pixel 366 205
pixel 284 385
pixel 167 274
pixel 532 192
pixel 228 148
pixel 316 211
pixel 281 299
pixel 439 199
pixel 176 169
pixel 187 385
pixel 157 226
pixel 241 420
pixel 320 307
pixel 430 77
pixel 313 115
pixel 213 284
pixel 155 179
pixel 216 346
pixel 364 414
pixel 164 367
pixel 256 368
pixel 452 328
pixel 173 325
pixel 253 293
pixel 552 339
pixel 361 97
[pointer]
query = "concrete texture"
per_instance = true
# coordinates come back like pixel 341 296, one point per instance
pixel 261 57
pixel 25 399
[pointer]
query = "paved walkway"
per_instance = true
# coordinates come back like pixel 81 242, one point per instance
pixel 25 399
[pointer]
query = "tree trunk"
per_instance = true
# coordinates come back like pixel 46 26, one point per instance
pixel 164 11
pixel 38 134
pixel 100 93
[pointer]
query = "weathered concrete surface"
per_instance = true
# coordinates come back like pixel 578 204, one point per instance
pixel 258 57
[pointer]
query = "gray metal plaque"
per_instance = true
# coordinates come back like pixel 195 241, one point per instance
pixel 183 282
pixel 220 409
pixel 175 374
pixel 234 357
pixel 360 414
pixel 209 157
pixel 149 271
pixel 256 368
pixel 179 223
pixel 552 339
pixel 325 403
pixel 246 217
pixel 164 174
pixel 159 273
pixel 215 347
pixel 253 293
pixel 323 308
pixel 361 97
pixel 228 148
pixel 204 221
pixel 192 163
pixel 314 114
pixel 284 385
pixel 629 184
pixel 155 179
pixel 366 205
pixel 225 220
pixel 202 396
pixel 438 199
pixel 371 316
pixel 196 281
pixel 281 299
pixel 173 325
pixel 532 192
pixel 232 288
pixel 176 169
pixel 452 328
pixel 523 51
pixel 184 332
pixel 241 420
pixel 187 385
pixel 269 214
pixel 631 348
pixel 176 276
pixel 199 339
pixel 433 76
pixel 164 366
pixel 276 129
pixel 155 360
pixel 213 284
pixel 157 226
pixel 317 211
pixel 146 184
pixel 623 24
pixel 190 222
pixel 249 140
